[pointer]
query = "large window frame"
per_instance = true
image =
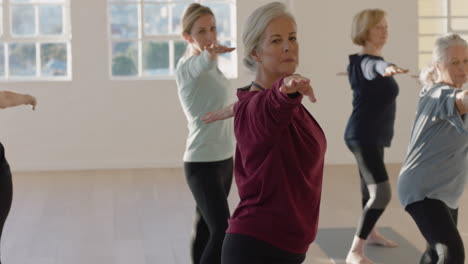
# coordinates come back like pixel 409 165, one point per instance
pixel 172 37
pixel 37 40
pixel 441 16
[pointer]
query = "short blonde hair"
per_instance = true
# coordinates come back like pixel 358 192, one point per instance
pixel 192 14
pixel 256 24
pixel 363 22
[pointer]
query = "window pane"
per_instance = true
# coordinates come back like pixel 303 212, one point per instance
pixel 38 1
pixel 223 19
pixel 426 43
pixel 432 8
pixel 156 19
pixel 155 58
pixel 460 24
pixel 124 21
pixel 54 59
pixel 432 26
pixel 124 59
pixel 22 59
pixel 424 60
pixel 226 62
pixel 179 50
pixel 50 20
pixel 185 1
pixel 2 60
pixel 459 7
pixel 1 20
pixel 177 13
pixel 23 20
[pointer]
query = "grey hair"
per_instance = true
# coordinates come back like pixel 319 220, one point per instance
pixel 430 74
pixel 256 24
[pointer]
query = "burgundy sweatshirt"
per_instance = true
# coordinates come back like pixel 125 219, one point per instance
pixel 278 168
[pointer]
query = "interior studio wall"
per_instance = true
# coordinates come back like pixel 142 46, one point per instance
pixel 93 122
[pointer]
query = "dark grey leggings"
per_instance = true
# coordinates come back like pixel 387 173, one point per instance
pixel 438 224
pixel 210 183
pixel 375 188
pixel 6 190
pixel 241 249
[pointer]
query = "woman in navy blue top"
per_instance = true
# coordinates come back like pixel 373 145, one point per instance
pixel 370 126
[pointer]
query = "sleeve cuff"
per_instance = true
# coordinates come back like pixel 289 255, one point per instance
pixel 285 98
pixel 206 60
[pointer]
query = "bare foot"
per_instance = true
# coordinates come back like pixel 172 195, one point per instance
pixel 357 258
pixel 378 240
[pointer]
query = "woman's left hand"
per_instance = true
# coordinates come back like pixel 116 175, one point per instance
pixel 217 115
pixel 215 49
pixel 393 69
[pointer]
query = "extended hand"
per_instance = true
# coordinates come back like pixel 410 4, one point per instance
pixel 297 83
pixel 220 114
pixel 393 69
pixel 31 100
pixel 216 49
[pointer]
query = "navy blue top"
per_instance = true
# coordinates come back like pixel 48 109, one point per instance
pixel 374 102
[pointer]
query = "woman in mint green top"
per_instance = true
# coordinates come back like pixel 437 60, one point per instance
pixel 208 162
pixel 435 170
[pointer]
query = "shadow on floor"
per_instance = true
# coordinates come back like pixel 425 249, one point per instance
pixel 335 242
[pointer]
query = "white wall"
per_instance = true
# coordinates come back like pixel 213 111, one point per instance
pixel 92 122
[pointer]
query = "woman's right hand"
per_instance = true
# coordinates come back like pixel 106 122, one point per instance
pixel 216 49
pixel 297 83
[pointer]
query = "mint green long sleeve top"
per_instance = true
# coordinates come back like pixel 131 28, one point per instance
pixel 203 88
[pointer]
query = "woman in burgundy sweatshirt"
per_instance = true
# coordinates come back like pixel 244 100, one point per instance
pixel 280 149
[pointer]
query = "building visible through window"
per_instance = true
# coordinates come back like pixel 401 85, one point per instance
pixel 35 40
pixel 145 36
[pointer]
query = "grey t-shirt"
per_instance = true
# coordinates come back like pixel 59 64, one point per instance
pixel 436 165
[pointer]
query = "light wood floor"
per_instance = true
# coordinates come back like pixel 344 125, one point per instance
pixel 145 217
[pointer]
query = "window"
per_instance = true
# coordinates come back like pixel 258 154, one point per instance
pixel 35 40
pixel 145 39
pixel 437 17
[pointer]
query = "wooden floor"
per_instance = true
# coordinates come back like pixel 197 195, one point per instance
pixel 145 217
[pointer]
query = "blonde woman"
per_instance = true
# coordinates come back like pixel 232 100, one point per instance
pixel 9 99
pixel 434 174
pixel 370 126
pixel 208 162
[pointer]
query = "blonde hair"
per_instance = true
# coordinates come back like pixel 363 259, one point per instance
pixel 363 22
pixel 256 24
pixel 430 74
pixel 192 14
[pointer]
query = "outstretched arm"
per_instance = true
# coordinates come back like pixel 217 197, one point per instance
pixel 11 99
pixel 221 114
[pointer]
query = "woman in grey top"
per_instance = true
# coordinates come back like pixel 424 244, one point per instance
pixel 436 167
pixel 208 162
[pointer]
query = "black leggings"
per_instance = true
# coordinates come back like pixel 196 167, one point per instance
pixel 210 183
pixel 375 188
pixel 6 190
pixel 242 249
pixel 438 224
